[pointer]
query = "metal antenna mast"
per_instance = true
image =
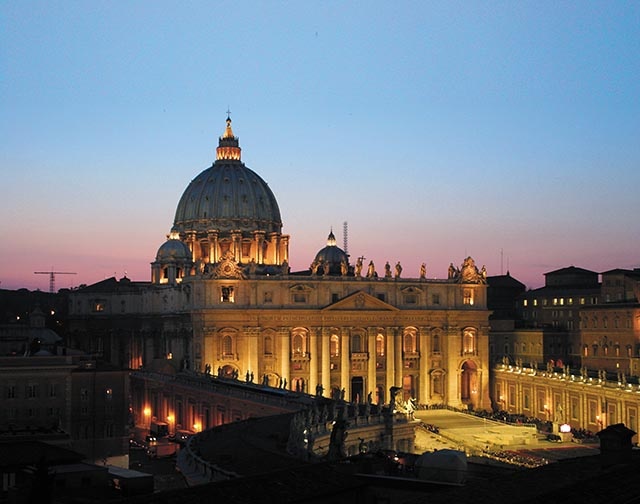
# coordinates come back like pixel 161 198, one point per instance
pixel 345 237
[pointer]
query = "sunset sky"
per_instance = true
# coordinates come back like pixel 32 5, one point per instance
pixel 507 131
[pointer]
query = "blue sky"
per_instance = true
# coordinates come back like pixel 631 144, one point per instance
pixel 508 131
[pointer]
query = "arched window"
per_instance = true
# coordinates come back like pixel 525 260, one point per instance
pixel 380 345
pixel 409 342
pixel 227 346
pixel 468 341
pixel 437 383
pixel 268 345
pixel 435 343
pixel 334 346
pixel 356 343
pixel 299 345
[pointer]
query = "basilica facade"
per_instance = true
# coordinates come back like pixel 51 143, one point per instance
pixel 224 300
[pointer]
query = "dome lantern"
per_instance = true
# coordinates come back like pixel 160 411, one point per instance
pixel 228 145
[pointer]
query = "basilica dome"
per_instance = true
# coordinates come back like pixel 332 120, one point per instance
pixel 228 196
pixel 331 257
pixel 227 213
pixel 173 250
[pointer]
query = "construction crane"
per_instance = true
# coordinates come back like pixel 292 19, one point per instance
pixel 52 277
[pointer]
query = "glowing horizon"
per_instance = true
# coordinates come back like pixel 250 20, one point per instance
pixel 504 132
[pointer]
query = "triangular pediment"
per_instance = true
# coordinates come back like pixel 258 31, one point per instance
pixel 360 301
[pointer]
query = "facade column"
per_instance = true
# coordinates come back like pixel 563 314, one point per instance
pixel 424 341
pixel 325 374
pixel 251 335
pixel 284 246
pixel 314 356
pixel 285 354
pixel 390 362
pixel 258 240
pixel 214 253
pixel 398 358
pixel 236 245
pixel 453 376
pixel 191 242
pixel 345 363
pixel 371 363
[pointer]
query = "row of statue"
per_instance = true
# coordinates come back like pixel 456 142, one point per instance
pixel 468 272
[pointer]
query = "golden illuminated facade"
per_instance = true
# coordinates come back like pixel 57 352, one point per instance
pixel 224 300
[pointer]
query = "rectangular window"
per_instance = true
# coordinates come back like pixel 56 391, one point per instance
pixel 300 297
pixel 381 297
pixel 53 390
pixel 226 294
pixel 84 394
pixel 435 299
pixel 593 415
pixel 468 297
pixel 11 392
pixel 32 391
pixel 525 303
pixel 410 299
pixel 575 411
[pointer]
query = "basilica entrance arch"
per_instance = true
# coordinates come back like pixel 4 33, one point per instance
pixel 229 371
pixel 469 383
pixel 272 380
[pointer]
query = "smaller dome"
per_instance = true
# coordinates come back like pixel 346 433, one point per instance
pixel 173 250
pixel 332 255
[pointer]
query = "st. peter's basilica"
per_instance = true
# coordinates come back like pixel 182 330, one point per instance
pixel 223 300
